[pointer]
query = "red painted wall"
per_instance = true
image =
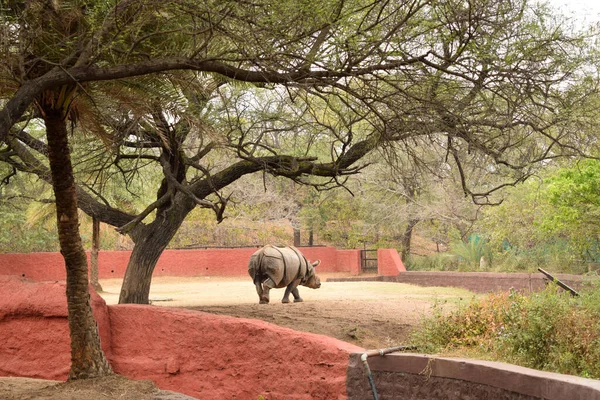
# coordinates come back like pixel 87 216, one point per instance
pixel 389 262
pixel 34 332
pixel 199 354
pixel 201 262
pixel 351 259
pixel 34 266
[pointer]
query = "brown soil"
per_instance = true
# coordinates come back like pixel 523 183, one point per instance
pixel 112 387
pixel 368 314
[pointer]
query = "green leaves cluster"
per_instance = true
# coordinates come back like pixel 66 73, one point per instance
pixel 475 252
pixel 552 222
pixel 17 236
pixel 575 193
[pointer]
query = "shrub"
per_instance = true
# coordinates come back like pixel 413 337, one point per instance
pixel 472 252
pixel 548 330
pixel 434 262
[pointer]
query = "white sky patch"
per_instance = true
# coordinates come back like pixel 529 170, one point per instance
pixel 584 12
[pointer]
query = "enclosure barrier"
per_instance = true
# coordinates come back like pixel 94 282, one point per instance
pixel 426 377
pixel 196 262
pixel 479 282
pixel 207 356
pixel 199 354
pixel 381 352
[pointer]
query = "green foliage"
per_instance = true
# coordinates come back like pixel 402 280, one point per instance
pixel 574 194
pixel 548 330
pixel 24 223
pixel 552 222
pixel 16 236
pixel 555 255
pixel 474 254
pixel 434 262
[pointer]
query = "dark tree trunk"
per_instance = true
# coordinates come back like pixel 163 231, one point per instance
pixel 311 237
pixel 153 240
pixel 297 241
pixel 87 357
pixel 94 255
pixel 407 238
pixel 138 275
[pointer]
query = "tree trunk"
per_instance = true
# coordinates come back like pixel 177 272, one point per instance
pixel 87 357
pixel 94 255
pixel 147 250
pixel 407 238
pixel 138 275
pixel 311 237
pixel 297 241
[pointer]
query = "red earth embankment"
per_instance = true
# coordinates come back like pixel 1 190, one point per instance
pixel 195 353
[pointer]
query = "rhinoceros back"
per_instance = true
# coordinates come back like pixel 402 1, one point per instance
pixel 282 264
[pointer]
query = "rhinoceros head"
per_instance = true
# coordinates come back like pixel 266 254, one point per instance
pixel 312 280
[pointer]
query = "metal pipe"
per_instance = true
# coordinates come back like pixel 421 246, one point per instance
pixel 559 282
pixel 363 358
pixel 380 352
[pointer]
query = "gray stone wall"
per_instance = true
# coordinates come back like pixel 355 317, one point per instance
pixel 479 282
pixel 423 377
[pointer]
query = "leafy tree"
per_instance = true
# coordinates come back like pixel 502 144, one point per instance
pixel 550 221
pixel 575 194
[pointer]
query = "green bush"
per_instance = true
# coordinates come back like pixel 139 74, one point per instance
pixel 472 253
pixel 547 330
pixel 556 256
pixel 434 262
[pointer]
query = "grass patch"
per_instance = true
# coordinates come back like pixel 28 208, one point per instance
pixel 547 330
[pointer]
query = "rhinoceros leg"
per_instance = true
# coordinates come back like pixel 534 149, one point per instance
pixel 297 298
pixel 267 286
pixel 259 290
pixel 291 288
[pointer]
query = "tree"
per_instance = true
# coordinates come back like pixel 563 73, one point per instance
pixel 87 357
pixel 94 255
pixel 54 106
pixel 492 86
pixel 419 189
pixel 551 221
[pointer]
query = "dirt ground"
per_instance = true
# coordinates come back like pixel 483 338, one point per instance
pixel 112 387
pixel 371 315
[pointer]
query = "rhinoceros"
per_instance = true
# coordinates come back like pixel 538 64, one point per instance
pixel 278 267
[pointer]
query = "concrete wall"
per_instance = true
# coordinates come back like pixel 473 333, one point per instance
pixel 200 262
pixel 389 262
pixel 34 333
pixel 199 354
pixel 350 258
pixel 423 377
pixel 479 282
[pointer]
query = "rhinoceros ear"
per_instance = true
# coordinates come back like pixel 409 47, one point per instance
pixel 315 263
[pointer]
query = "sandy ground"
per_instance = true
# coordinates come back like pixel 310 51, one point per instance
pixel 111 387
pixel 368 314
